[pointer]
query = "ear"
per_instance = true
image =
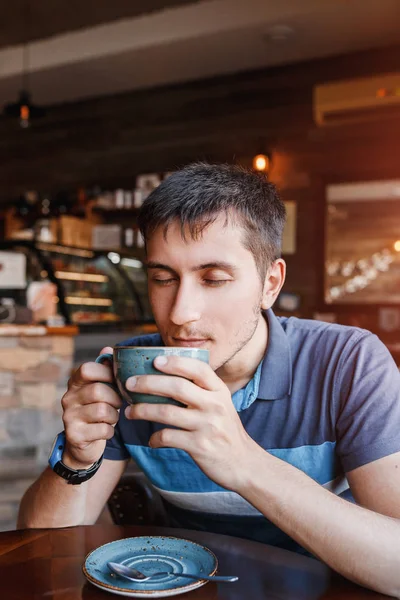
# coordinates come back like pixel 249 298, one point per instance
pixel 274 280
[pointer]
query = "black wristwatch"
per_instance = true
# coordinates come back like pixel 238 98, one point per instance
pixel 72 476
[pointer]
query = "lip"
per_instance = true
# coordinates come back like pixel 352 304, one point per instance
pixel 189 343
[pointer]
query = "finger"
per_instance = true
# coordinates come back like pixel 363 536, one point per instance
pixel 191 368
pixel 83 434
pixel 178 388
pixel 98 392
pixel 76 419
pixel 172 438
pixel 90 372
pixel 107 350
pixel 90 394
pixel 167 414
pixel 99 413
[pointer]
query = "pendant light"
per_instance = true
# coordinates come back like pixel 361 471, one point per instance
pixel 23 109
pixel 261 163
pixel 262 159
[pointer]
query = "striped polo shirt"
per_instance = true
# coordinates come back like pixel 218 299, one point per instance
pixel 325 399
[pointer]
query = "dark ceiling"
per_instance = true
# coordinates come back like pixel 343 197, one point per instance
pixel 37 19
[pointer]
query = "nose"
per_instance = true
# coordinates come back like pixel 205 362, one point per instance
pixel 186 306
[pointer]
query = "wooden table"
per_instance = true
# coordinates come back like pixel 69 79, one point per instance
pixel 46 564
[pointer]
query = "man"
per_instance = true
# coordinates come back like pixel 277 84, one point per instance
pixel 286 414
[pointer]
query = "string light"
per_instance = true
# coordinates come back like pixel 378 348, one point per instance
pixel 366 270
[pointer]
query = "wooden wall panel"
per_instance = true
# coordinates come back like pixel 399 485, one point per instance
pixel 108 141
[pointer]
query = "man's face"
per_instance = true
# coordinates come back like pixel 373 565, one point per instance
pixel 204 293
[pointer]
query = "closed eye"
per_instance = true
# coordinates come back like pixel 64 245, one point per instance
pixel 163 281
pixel 207 282
pixel 216 282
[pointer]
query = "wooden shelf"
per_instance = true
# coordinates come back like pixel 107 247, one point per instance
pixel 13 330
pixel 115 212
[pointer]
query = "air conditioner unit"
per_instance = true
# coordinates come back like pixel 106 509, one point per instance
pixel 368 98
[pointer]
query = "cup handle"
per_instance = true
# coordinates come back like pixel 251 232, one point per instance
pixel 104 357
pixel 100 359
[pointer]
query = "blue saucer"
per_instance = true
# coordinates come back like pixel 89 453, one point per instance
pixel 150 555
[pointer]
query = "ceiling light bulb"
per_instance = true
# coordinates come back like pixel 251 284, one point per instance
pixel 261 163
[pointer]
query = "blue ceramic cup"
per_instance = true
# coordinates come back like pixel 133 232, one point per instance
pixel 128 361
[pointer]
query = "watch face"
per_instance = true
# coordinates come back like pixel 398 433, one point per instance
pixel 53 446
pixel 57 449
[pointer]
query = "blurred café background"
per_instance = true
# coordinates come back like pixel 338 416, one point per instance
pixel 99 102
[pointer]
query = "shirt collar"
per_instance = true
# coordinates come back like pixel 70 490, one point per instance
pixel 276 372
pixel 244 397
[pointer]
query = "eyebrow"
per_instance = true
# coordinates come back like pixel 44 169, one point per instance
pixel 225 266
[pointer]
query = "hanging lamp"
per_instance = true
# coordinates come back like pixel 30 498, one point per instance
pixel 23 109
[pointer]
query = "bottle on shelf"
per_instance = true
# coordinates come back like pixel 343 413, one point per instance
pixel 119 198
pixel 129 237
pixel 137 198
pixel 128 199
pixel 105 200
pixel 45 206
pixel 45 226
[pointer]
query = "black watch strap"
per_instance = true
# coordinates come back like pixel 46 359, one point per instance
pixel 77 476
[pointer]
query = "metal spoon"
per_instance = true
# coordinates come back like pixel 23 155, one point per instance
pixel 135 575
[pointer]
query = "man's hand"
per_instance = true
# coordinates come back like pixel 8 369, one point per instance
pixel 209 428
pixel 90 413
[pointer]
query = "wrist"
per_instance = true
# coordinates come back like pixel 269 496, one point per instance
pixel 71 462
pixel 252 468
pixel 72 470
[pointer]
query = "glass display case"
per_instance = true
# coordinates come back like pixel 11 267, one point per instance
pixel 93 288
pixel 137 275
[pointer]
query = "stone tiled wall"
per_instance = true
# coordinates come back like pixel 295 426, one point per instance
pixel 33 378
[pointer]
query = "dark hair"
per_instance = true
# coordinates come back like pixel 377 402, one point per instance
pixel 197 194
